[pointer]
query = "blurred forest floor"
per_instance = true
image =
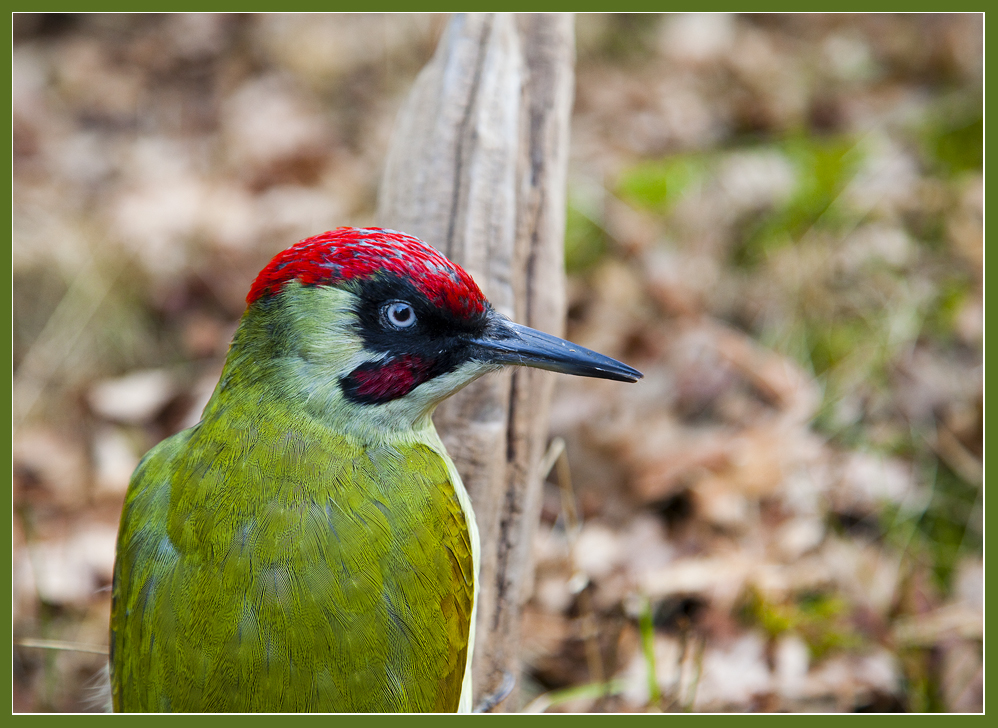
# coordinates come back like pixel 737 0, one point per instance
pixel 778 218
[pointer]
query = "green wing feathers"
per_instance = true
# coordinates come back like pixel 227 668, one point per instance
pixel 271 565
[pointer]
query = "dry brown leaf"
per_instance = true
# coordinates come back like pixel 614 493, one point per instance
pixel 68 571
pixel 135 398
pixel 951 621
pixel 115 458
pixel 962 676
pixel 733 674
pixel 52 461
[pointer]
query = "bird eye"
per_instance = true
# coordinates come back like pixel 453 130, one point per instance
pixel 399 314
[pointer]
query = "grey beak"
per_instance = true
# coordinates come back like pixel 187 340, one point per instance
pixel 510 343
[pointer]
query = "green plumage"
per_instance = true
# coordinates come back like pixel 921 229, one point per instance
pixel 309 545
pixel 267 562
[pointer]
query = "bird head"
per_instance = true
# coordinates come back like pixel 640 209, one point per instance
pixel 369 329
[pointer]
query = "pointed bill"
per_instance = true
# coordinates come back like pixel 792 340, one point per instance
pixel 511 343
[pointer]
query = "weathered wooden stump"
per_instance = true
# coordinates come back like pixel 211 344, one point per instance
pixel 477 168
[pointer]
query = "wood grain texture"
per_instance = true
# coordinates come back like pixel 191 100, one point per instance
pixel 477 167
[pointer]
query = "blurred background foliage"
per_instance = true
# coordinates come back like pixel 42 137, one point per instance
pixel 778 218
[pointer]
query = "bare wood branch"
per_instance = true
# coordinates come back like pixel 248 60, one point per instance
pixel 477 168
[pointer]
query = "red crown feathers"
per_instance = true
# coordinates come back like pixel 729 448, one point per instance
pixel 346 254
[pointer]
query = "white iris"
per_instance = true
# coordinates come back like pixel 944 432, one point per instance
pixel 400 314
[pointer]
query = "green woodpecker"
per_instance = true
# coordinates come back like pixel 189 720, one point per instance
pixel 308 545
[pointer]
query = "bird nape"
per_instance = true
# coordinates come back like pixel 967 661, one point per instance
pixel 309 545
